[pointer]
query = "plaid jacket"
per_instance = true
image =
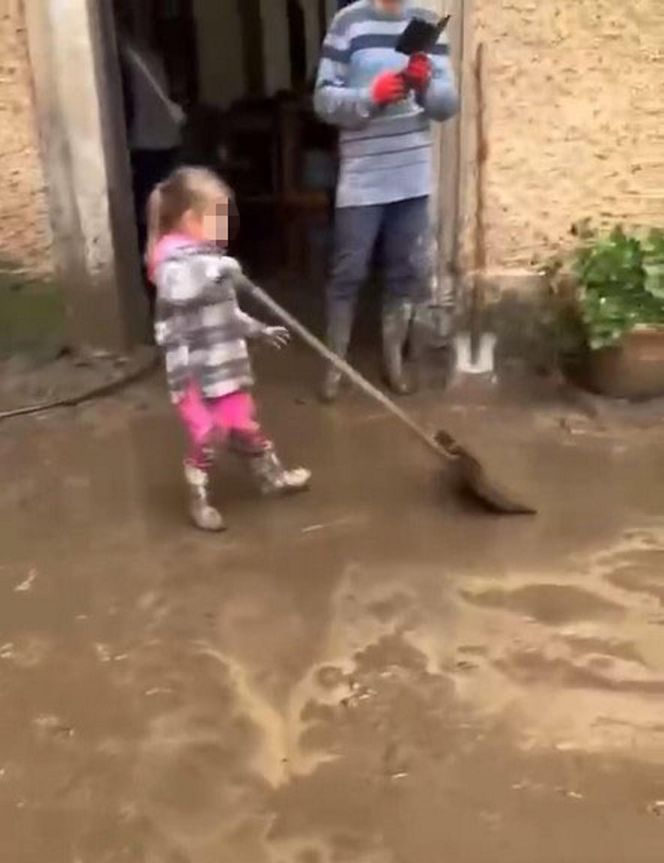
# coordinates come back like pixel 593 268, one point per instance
pixel 199 324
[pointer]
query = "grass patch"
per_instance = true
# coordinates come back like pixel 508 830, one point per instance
pixel 32 315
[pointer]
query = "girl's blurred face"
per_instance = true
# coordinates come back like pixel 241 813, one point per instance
pixel 211 226
pixel 216 223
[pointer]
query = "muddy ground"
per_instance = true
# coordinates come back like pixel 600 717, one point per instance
pixel 373 673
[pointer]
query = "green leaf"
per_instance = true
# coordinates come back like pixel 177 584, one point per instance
pixel 620 279
pixel 654 280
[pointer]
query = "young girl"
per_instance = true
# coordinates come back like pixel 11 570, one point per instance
pixel 203 334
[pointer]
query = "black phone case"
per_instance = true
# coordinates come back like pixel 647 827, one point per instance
pixel 420 36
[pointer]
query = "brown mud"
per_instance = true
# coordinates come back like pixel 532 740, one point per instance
pixel 371 673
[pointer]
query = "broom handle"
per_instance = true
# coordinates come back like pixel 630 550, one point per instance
pixel 341 365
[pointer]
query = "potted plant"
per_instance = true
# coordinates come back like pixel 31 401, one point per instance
pixel 610 297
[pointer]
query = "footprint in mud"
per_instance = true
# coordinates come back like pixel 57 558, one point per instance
pixel 194 781
pixel 340 847
pixel 600 673
pixel 391 651
pixel 550 604
pixel 585 645
pixel 30 651
pixel 473 649
pixel 391 607
pixel 638 578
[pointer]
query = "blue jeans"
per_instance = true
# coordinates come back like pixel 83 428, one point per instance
pixel 404 230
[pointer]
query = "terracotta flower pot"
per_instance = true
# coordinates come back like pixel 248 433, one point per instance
pixel 633 369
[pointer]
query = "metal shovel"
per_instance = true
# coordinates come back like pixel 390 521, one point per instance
pixel 476 350
pixel 465 470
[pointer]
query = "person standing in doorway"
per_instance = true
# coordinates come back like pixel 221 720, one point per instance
pixel 154 122
pixel 382 103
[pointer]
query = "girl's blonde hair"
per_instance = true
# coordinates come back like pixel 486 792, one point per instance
pixel 185 189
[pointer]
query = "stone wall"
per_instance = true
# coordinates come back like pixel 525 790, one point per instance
pixel 575 115
pixel 574 112
pixel 24 231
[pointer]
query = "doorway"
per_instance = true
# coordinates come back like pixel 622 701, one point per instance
pixel 243 72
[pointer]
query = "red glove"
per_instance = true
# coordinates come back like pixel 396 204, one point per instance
pixel 418 72
pixel 388 87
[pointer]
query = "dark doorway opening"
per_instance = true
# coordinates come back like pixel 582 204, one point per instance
pixel 242 72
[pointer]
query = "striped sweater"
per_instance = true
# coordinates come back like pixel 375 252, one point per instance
pixel 199 324
pixel 386 153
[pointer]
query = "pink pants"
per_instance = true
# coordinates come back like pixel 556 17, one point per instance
pixel 214 421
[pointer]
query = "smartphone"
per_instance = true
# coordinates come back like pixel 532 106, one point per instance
pixel 420 36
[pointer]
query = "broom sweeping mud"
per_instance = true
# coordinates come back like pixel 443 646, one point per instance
pixel 464 469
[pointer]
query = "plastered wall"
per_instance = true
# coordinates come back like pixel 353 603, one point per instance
pixel 575 119
pixel 24 231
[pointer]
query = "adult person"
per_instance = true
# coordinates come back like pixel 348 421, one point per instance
pixel 383 104
pixel 154 121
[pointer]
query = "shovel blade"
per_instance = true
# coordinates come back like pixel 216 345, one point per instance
pixel 483 363
pixel 473 480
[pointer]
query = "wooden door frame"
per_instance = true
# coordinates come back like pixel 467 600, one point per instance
pixel 121 283
pixel 450 203
pixel 253 52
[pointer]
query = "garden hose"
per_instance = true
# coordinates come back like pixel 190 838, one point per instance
pixel 94 394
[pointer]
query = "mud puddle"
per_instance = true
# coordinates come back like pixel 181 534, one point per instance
pixel 372 673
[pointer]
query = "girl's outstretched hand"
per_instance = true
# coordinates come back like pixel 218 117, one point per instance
pixel 277 337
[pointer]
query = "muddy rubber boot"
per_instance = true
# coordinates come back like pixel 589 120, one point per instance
pixel 397 316
pixel 429 345
pixel 203 515
pixel 273 479
pixel 419 340
pixel 339 328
